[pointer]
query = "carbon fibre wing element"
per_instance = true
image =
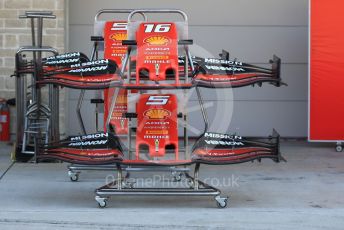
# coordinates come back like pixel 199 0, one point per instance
pixel 221 73
pixel 216 148
pixel 92 149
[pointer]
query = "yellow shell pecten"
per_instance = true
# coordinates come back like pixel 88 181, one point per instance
pixel 157 40
pixel 119 36
pixel 121 100
pixel 157 113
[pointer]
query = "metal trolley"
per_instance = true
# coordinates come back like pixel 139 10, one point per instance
pixel 36 121
pixel 117 151
pixel 121 185
pixel 74 170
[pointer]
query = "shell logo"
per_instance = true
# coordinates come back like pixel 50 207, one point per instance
pixel 117 114
pixel 157 113
pixel 157 40
pixel 157 132
pixel 118 36
pixel 121 99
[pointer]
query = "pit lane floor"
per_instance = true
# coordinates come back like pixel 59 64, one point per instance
pixel 304 193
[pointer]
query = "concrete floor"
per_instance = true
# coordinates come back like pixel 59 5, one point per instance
pixel 307 192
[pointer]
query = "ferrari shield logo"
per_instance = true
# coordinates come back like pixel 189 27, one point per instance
pixel 156 145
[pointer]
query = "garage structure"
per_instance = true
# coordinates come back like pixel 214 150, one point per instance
pixel 267 27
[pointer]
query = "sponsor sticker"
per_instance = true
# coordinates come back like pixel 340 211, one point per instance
pixel 92 69
pixel 221 136
pixel 157 41
pixel 90 136
pixel 221 61
pixel 157 114
pixel 118 36
pixel 224 143
pixel 224 68
pixel 88 143
pixel 157 132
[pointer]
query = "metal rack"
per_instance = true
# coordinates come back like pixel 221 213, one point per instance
pixel 36 122
pixel 98 46
pixel 196 187
pixel 122 158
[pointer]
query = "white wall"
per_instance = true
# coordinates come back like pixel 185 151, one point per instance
pixel 252 30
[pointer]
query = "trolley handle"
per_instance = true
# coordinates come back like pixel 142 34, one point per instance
pixel 143 11
pixel 38 14
pixel 47 49
pixel 116 11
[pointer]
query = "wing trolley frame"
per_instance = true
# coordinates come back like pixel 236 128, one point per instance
pixel 121 185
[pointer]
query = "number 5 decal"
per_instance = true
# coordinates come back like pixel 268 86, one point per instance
pixel 158 28
pixel 157 100
pixel 119 26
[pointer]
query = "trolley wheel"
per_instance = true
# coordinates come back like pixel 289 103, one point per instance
pixel 339 148
pixel 221 202
pixel 128 184
pixel 190 183
pixel 102 202
pixel 131 185
pixel 177 176
pixel 73 176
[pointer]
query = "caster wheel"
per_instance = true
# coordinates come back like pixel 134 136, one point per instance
pixel 73 176
pixel 177 176
pixel 102 202
pixel 129 185
pixel 190 184
pixel 339 148
pixel 221 202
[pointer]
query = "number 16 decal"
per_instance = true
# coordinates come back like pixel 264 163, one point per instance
pixel 157 28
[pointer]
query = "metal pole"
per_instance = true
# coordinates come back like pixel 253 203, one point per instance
pixel 119 177
pixel 196 176
pixel 78 111
pixel 113 103
pixel 55 111
pixel 203 111
pixel 20 84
